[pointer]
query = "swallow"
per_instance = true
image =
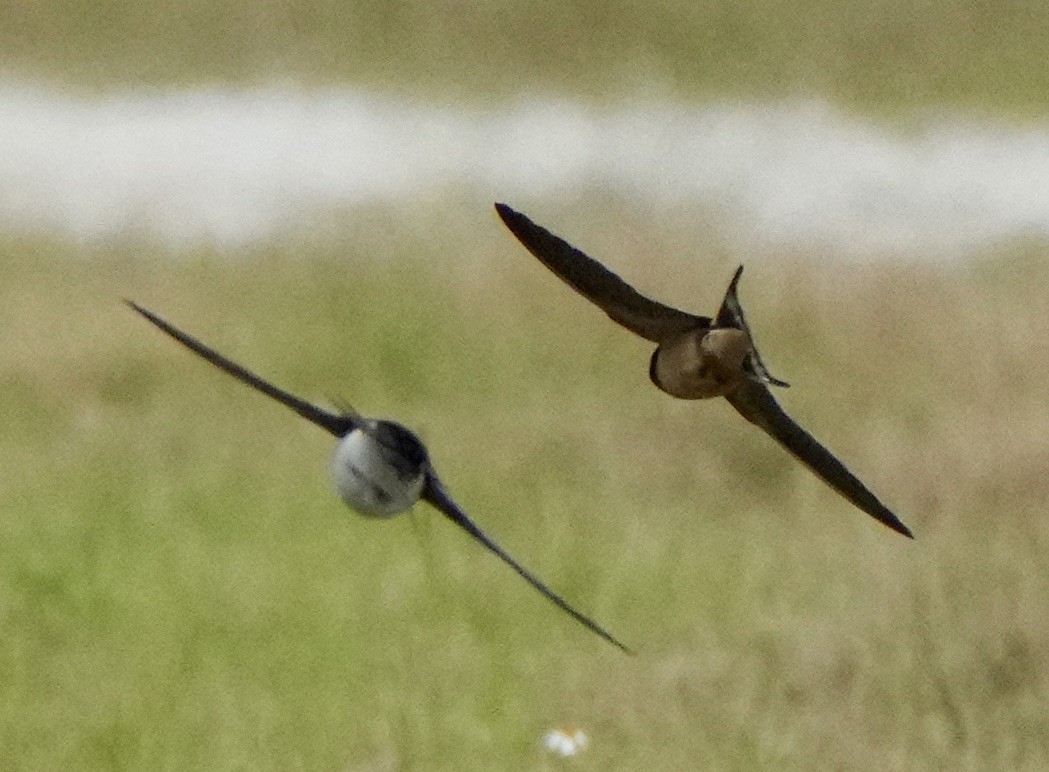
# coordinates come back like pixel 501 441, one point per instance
pixel 380 468
pixel 697 357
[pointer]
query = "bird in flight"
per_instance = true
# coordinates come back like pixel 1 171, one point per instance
pixel 697 357
pixel 380 467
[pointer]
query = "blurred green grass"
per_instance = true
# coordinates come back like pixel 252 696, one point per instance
pixel 885 56
pixel 180 588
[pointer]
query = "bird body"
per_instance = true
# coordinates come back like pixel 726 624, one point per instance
pixel 700 364
pixel 380 468
pixel 697 357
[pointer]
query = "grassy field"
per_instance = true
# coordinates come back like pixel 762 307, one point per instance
pixel 179 588
pixel 887 55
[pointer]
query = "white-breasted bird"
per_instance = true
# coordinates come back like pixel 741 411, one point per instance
pixel 380 468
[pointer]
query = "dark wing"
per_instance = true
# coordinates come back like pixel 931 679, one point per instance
pixel 338 425
pixel 731 315
pixel 756 404
pixel 589 278
pixel 438 496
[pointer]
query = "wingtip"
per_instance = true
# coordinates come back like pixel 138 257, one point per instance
pixel 141 311
pixel 505 212
pixel 896 525
pixel 435 493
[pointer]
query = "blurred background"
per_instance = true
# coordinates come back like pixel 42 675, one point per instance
pixel 309 189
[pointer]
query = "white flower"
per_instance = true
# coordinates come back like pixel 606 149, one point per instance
pixel 566 742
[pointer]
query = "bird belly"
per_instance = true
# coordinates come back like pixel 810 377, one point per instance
pixel 683 369
pixel 368 482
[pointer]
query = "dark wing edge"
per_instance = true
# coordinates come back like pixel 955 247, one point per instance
pixel 437 495
pixel 337 424
pixel 755 403
pixel 623 304
pixel 731 315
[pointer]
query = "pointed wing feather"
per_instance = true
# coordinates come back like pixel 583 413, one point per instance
pixel 755 403
pixel 642 316
pixel 438 496
pixel 338 425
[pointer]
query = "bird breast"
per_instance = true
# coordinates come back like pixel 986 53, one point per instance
pixel 373 478
pixel 700 364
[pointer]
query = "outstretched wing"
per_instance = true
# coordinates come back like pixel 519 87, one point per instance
pixel 337 424
pixel 731 315
pixel 589 278
pixel 755 403
pixel 438 496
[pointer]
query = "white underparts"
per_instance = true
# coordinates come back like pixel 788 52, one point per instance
pixel 368 482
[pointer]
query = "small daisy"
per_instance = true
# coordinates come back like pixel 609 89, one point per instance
pixel 566 742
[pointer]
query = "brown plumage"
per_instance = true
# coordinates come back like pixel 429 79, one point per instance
pixel 697 357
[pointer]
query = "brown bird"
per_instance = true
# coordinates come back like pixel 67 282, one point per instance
pixel 697 357
pixel 380 467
